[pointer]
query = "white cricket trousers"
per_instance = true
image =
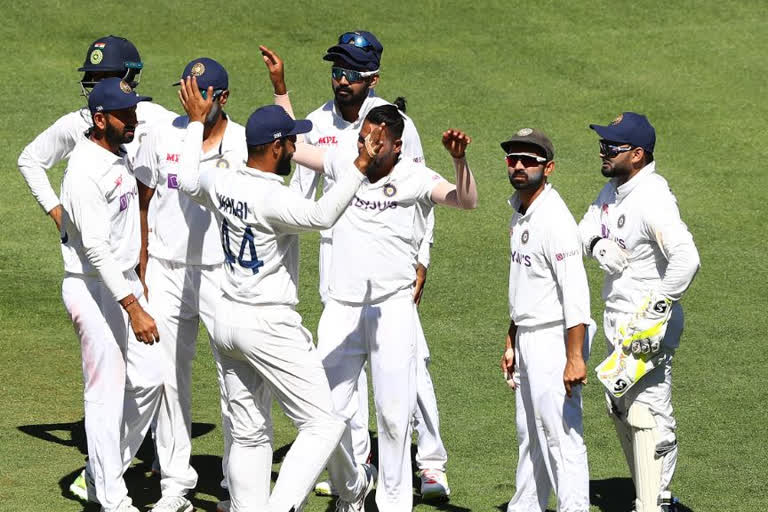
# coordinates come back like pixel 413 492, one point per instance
pixel 121 383
pixel 653 390
pixel 266 352
pixel 383 333
pixel 550 433
pixel 430 450
pixel 180 296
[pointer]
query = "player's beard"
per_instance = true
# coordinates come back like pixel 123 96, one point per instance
pixel 284 164
pixel 116 137
pixel 532 181
pixel 611 169
pixel 352 98
pixel 214 114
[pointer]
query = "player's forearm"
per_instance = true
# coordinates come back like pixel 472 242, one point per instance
pixel 466 188
pixel 189 177
pixel 589 230
pixel 425 247
pixel 100 256
pixel 574 343
pixel 309 156
pixel 37 180
pixel 284 100
pixel 682 267
pixel 511 334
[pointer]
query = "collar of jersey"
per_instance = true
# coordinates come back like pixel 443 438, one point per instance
pixel 514 201
pixel 104 154
pixel 258 173
pixel 624 190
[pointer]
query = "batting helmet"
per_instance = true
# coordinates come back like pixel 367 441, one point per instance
pixel 113 55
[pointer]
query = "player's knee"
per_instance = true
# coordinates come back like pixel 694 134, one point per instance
pixel 253 436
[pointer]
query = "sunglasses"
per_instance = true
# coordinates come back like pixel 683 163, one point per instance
pixel 525 159
pixel 350 74
pixel 612 150
pixel 216 94
pixel 356 39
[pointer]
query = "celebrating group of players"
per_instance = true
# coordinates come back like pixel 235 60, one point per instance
pixel 167 219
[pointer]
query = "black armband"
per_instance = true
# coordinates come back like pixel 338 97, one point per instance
pixel 593 242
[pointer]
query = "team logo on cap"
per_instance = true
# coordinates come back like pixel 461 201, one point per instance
pixel 197 69
pixel 524 132
pixel 389 190
pixel 222 163
pixel 125 87
pixel 617 120
pixel 525 236
pixel 621 220
pixel 97 56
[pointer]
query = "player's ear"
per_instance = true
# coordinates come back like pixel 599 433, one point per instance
pixel 638 156
pixel 100 120
pixel 549 168
pixel 397 146
pixel 224 97
pixel 374 81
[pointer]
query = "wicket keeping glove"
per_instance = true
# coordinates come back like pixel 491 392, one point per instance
pixel 611 257
pixel 645 331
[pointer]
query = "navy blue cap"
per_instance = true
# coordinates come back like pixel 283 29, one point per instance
pixel 111 53
pixel 272 122
pixel 113 94
pixel 358 50
pixel 209 73
pixel 629 128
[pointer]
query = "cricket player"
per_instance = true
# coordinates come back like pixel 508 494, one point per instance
pixel 102 293
pixel 264 349
pixel 634 231
pixel 370 314
pixel 181 266
pixel 547 342
pixel 356 64
pixel 109 56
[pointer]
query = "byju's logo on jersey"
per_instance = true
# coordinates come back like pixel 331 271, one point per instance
pixel 173 181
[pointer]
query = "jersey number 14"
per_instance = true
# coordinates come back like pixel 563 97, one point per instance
pixel 229 257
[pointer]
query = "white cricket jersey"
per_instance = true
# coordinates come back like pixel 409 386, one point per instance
pixel 642 217
pixel 181 230
pixel 259 219
pixel 100 225
pixel 57 142
pixel 547 281
pixel 376 241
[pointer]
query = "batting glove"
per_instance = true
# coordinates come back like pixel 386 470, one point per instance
pixel 611 257
pixel 645 331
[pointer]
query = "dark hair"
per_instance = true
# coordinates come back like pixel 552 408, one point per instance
pixel 400 103
pixel 258 150
pixel 648 157
pixel 390 116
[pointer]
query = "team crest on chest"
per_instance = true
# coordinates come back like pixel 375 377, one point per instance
pixel 389 190
pixel 222 163
pixel 524 237
pixel 622 219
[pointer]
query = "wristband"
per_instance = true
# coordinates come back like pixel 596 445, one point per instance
pixel 593 243
pixel 125 306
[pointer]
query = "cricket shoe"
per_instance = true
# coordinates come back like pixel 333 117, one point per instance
pixel 370 473
pixel 224 506
pixel 325 488
pixel 84 488
pixel 667 502
pixel 173 504
pixel 434 485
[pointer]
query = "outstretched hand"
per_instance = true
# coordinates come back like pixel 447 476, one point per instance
pixel 192 100
pixel 276 69
pixel 456 142
pixel 369 147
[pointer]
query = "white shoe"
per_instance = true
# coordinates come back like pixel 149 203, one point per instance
pixel 173 504
pixel 325 488
pixel 358 505
pixel 434 485
pixel 125 506
pixel 224 506
pixel 84 488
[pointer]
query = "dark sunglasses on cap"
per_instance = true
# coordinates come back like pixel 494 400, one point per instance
pixel 358 40
pixel 350 74
pixel 526 159
pixel 613 149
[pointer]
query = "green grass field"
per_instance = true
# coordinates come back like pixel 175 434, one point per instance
pixel 697 69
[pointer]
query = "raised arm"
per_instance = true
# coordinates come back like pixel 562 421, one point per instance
pixel 464 193
pixel 197 108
